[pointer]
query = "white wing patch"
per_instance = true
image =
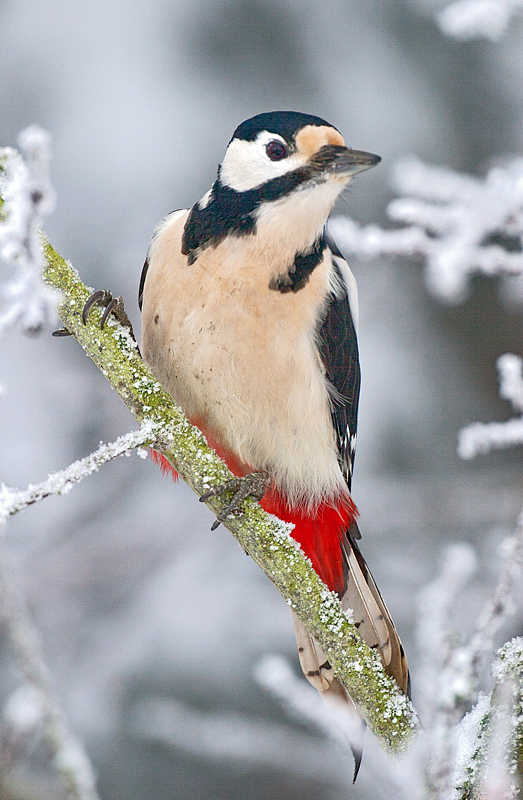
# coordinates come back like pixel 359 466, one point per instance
pixel 351 287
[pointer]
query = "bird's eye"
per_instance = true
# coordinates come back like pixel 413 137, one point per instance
pixel 276 150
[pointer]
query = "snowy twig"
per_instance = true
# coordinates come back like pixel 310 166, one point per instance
pixel 436 606
pixel 490 738
pixel 28 197
pixel 450 677
pixel 511 379
pixel 452 220
pixel 479 437
pixel 496 611
pixel 275 674
pixel 70 760
pixel 13 500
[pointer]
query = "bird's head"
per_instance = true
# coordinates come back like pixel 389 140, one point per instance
pixel 280 176
pixel 301 149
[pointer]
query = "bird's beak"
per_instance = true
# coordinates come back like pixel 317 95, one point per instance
pixel 343 161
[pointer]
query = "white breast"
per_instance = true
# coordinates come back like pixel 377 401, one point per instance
pixel 242 358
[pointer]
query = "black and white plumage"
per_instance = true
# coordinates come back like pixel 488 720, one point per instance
pixel 249 321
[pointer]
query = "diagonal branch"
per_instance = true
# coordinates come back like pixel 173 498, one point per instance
pixel 388 713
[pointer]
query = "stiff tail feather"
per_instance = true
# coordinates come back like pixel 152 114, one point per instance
pixel 371 615
pixel 375 626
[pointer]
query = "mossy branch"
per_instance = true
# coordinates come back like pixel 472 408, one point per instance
pixel 388 713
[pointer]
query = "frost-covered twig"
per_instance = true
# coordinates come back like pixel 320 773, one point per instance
pixel 436 607
pixel 495 612
pixel 471 19
pixel 13 500
pixel 28 196
pixel 490 738
pixel 451 220
pixel 450 672
pixel 459 674
pixel 70 760
pixel 480 437
pixel 275 674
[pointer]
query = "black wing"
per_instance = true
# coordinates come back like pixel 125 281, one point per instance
pixel 142 283
pixel 338 346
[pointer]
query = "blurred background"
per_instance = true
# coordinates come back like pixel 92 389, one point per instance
pixel 152 625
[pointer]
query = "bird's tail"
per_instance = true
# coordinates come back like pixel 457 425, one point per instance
pixel 375 626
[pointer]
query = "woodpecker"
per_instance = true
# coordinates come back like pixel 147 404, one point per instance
pixel 249 318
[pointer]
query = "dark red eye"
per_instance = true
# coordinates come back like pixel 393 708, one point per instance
pixel 276 150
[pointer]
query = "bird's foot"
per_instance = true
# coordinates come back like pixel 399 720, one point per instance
pixel 110 304
pixel 252 485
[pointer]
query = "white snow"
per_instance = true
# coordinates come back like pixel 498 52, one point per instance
pixel 479 437
pixel 28 196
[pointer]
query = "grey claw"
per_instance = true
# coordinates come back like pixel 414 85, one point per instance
pixel 96 297
pixel 217 490
pixel 112 305
pixel 61 332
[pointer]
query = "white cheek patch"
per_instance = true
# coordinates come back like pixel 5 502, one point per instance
pixel 246 165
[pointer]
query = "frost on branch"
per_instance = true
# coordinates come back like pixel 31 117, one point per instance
pixel 457 753
pixel 28 196
pixel 13 500
pixel 471 19
pixel 456 222
pixel 480 438
pixel 490 737
pixel 33 709
pixel 275 674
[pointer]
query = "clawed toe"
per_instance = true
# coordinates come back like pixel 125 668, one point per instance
pixel 111 305
pixel 102 297
pixel 61 332
pixel 252 485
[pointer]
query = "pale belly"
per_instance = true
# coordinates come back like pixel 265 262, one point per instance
pixel 245 364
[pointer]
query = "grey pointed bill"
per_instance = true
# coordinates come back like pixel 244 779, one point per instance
pixel 350 162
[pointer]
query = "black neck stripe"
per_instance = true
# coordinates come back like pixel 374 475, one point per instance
pixel 231 213
pixel 301 270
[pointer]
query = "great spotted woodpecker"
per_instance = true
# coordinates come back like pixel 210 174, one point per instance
pixel 249 317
